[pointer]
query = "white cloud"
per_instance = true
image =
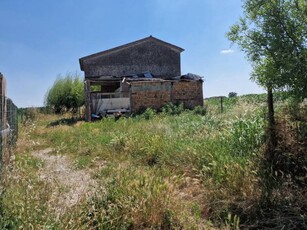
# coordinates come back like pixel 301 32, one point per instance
pixel 228 51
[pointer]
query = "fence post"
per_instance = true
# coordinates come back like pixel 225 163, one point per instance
pixel 221 104
pixel 8 127
pixel 2 119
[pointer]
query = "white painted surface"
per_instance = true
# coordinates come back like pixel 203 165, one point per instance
pixel 105 104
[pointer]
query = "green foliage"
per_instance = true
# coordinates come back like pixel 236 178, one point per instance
pixel 27 114
pixel 25 198
pixel 297 110
pixel 215 103
pixel 273 35
pixel 149 113
pixel 246 135
pixel 279 97
pixel 172 109
pixel 200 110
pixel 132 200
pixel 233 221
pixel 83 161
pixel 66 93
pixel 232 94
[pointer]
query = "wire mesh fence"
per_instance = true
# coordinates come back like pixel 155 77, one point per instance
pixel 8 129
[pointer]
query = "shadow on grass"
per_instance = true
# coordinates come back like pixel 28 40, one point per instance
pixel 64 121
pixel 280 214
pixel 283 182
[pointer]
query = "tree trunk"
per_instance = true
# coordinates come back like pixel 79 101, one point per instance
pixel 272 141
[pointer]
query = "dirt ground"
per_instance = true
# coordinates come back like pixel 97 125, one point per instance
pixel 70 185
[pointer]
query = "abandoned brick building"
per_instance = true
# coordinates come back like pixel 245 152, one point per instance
pixel 141 74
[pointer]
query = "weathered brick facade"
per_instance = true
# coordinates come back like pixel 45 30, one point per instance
pixel 148 94
pixel 190 93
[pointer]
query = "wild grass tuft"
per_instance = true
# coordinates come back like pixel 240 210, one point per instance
pixel 133 198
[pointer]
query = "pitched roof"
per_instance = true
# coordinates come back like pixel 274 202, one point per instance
pixel 118 48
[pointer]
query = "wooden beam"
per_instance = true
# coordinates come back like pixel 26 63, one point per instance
pixel 87 91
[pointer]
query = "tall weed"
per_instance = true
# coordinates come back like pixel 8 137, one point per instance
pixel 133 198
pixel 26 198
pixel 246 135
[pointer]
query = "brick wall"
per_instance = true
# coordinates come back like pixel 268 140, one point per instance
pixel 189 93
pixel 156 94
pixel 149 95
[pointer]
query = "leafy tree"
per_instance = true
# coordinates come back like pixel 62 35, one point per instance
pixel 67 93
pixel 273 34
pixel 232 94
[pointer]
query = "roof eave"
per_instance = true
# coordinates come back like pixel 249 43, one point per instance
pixel 81 64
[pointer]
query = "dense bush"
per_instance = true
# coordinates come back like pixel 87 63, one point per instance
pixel 232 94
pixel 200 110
pixel 67 93
pixel 172 109
pixel 149 113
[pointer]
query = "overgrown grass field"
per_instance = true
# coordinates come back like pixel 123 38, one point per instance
pixel 177 169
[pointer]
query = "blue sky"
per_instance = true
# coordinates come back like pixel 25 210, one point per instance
pixel 40 39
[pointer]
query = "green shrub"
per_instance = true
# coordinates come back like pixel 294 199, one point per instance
pixel 66 93
pixel 172 109
pixel 200 110
pixel 232 94
pixel 149 114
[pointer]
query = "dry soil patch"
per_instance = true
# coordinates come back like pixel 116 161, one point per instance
pixel 69 185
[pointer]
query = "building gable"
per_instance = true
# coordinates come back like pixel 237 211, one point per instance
pixel 148 54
